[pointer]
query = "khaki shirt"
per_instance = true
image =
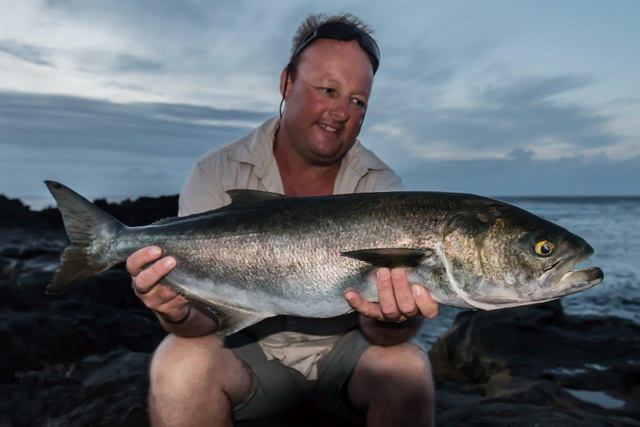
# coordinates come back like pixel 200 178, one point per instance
pixel 249 163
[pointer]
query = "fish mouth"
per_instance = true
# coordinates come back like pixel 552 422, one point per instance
pixel 552 266
pixel 581 279
pixel 563 281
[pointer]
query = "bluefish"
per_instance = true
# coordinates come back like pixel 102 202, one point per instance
pixel 267 254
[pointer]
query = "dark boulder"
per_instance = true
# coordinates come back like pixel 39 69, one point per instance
pixel 536 355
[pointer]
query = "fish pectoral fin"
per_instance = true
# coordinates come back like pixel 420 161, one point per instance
pixel 247 197
pixel 232 319
pixel 390 257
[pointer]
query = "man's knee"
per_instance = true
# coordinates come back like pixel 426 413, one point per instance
pixel 184 366
pixel 397 372
pixel 404 360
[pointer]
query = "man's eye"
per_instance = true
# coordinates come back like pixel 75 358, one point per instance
pixel 327 90
pixel 359 102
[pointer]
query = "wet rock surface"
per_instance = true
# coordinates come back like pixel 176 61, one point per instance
pixel 81 358
pixel 537 365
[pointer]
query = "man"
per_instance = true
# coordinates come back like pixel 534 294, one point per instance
pixel 196 379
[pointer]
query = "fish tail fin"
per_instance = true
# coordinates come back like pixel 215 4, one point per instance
pixel 90 230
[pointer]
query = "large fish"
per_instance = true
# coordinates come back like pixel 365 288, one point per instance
pixel 266 254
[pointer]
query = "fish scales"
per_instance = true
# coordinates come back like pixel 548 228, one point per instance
pixel 286 246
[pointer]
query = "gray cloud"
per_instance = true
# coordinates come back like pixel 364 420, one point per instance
pixel 521 155
pixel 424 66
pixel 517 177
pixel 91 61
pixel 102 62
pixel 530 91
pixel 528 112
pixel 127 86
pixel 52 122
pixel 128 63
pixel 521 114
pixel 33 54
pixel 162 9
pixel 215 31
pixel 108 148
pixel 213 41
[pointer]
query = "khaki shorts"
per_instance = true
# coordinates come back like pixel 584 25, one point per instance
pixel 277 388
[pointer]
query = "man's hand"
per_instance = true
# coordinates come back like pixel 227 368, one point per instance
pixel 170 306
pixel 397 300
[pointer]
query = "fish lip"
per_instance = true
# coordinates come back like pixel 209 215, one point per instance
pixel 560 277
pixel 585 278
pixel 552 266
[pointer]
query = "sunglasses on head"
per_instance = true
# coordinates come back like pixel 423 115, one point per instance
pixel 341 31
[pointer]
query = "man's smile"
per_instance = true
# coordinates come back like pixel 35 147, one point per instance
pixel 328 128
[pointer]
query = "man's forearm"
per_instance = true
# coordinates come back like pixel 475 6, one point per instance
pixel 388 333
pixel 197 323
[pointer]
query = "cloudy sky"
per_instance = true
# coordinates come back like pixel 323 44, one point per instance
pixel 120 97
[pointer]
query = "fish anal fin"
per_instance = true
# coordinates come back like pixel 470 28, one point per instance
pixel 233 319
pixel 390 257
pixel 247 197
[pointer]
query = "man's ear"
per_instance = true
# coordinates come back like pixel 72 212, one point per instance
pixel 283 82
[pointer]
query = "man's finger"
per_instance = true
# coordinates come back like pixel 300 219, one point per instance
pixel 171 304
pixel 366 308
pixel 386 296
pixel 426 304
pixel 174 309
pixel 157 296
pixel 137 262
pixel 404 296
pixel 148 278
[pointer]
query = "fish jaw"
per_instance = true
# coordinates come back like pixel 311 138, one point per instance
pixel 561 280
pixel 578 280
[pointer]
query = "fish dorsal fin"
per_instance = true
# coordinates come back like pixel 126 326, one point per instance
pixel 238 197
pixel 247 197
pixel 390 257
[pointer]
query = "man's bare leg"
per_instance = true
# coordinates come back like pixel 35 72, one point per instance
pixel 394 386
pixel 195 381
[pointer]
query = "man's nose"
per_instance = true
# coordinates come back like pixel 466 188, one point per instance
pixel 340 110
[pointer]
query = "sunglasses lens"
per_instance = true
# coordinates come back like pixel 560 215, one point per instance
pixel 336 31
pixel 341 31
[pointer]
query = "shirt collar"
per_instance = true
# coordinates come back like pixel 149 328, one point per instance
pixel 258 146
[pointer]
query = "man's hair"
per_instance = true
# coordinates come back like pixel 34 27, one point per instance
pixel 311 24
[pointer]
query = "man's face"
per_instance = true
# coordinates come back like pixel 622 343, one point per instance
pixel 327 101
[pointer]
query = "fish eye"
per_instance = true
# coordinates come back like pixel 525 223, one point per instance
pixel 544 248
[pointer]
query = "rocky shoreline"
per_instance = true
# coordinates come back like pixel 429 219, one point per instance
pixel 81 358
